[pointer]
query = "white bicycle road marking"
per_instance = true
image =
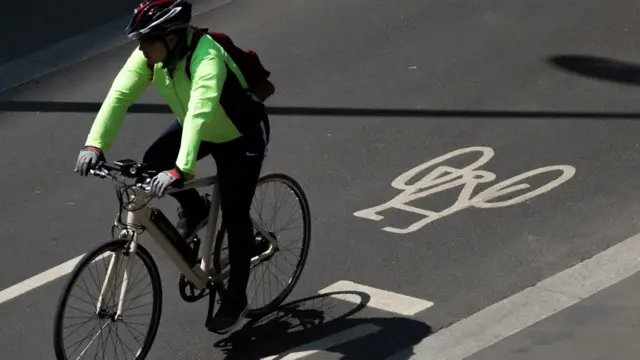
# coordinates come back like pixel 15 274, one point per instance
pixel 379 299
pixel 444 177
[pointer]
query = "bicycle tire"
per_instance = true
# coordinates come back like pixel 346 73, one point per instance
pixel 156 283
pixel 306 243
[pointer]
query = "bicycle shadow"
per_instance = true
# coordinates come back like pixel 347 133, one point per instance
pixel 310 324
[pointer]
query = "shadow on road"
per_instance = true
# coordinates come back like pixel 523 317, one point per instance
pixel 321 323
pixel 93 107
pixel 598 68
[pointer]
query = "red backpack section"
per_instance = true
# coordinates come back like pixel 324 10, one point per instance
pixel 248 61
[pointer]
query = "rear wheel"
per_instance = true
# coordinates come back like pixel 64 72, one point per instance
pixel 98 333
pixel 271 191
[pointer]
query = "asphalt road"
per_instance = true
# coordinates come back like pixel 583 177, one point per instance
pixel 596 328
pixel 472 62
pixel 28 26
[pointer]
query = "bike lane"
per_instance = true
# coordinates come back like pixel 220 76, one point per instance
pixel 461 262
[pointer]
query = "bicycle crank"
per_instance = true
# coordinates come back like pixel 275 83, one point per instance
pixel 193 294
pixel 184 284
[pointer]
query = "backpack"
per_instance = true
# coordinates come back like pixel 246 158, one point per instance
pixel 248 62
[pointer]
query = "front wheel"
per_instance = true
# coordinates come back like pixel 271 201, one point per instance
pixel 90 327
pixel 286 259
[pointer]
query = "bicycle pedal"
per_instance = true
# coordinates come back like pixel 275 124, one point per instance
pixel 194 294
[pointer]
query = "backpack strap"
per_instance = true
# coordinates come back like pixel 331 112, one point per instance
pixel 151 67
pixel 262 90
pixel 197 34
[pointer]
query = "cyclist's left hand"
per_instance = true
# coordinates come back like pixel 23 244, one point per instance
pixel 161 182
pixel 88 159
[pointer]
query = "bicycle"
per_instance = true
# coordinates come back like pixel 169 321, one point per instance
pixel 201 274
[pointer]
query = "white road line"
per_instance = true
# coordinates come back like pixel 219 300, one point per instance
pixel 529 306
pixel 380 299
pixel 327 342
pixel 38 280
pixel 41 279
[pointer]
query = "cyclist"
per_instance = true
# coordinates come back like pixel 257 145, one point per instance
pixel 215 116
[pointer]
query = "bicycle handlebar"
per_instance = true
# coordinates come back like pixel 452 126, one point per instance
pixel 127 168
pixel 130 169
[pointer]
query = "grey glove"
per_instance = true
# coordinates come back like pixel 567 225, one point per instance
pixel 161 182
pixel 88 159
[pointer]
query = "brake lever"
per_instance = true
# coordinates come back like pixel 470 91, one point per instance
pixel 146 185
pixel 102 173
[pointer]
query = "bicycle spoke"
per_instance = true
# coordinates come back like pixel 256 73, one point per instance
pixel 104 340
pixel 134 315
pixel 100 345
pixel 137 297
pixel 134 336
pixel 276 276
pixel 115 350
pixel 289 251
pixel 79 327
pixel 292 265
pixel 289 229
pixel 139 306
pixel 289 221
pixel 115 346
pixel 82 340
pixel 280 192
pixel 82 311
pixel 82 323
pixel 85 284
pixel 134 323
pixel 85 301
pixel 118 336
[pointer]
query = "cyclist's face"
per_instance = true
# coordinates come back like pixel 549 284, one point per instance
pixel 154 50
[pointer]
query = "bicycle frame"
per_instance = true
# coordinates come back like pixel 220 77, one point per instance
pixel 164 233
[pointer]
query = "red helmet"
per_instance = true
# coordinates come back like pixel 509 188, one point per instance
pixel 158 17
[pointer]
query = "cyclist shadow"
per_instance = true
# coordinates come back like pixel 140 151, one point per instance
pixel 313 324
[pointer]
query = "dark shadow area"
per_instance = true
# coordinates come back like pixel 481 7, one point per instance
pixel 598 68
pixel 42 23
pixel 93 107
pixel 323 323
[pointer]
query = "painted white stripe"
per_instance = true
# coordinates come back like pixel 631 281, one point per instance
pixel 327 342
pixel 529 306
pixel 41 279
pixel 380 299
pixel 38 280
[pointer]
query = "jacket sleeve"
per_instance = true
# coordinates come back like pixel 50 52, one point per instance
pixel 208 74
pixel 131 81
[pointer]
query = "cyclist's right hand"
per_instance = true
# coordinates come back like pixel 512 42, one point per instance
pixel 88 159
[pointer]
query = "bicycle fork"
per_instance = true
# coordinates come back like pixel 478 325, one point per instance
pixel 116 258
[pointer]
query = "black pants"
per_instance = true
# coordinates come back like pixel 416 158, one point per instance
pixel 238 163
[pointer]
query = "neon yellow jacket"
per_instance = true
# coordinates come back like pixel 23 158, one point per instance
pixel 195 103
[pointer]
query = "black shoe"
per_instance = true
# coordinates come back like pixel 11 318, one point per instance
pixel 192 219
pixel 231 311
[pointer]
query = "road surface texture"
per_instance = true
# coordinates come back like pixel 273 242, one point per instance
pixel 366 91
pixel 599 327
pixel 30 25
